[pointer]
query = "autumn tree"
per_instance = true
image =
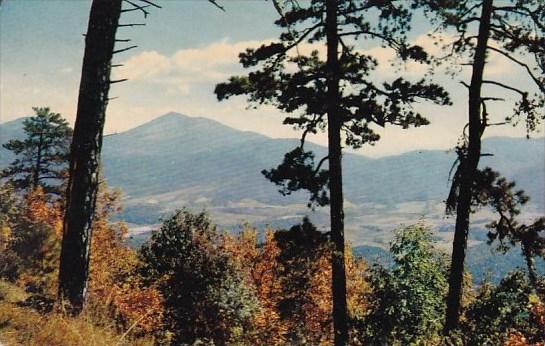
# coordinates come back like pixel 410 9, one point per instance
pixel 36 233
pixel 41 158
pixel 115 288
pixel 257 262
pixel 290 272
pixel 515 32
pixel 303 302
pixel 337 92
pixel 10 263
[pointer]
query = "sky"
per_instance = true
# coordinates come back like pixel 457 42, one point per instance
pixel 185 49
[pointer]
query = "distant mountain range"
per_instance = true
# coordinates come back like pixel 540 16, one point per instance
pixel 176 160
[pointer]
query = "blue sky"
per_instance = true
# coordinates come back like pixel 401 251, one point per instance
pixel 184 50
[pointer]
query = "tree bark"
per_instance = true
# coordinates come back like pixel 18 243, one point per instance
pixel 38 168
pixel 85 152
pixel 530 264
pixel 340 326
pixel 470 163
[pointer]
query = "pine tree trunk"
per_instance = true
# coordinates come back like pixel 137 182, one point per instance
pixel 38 167
pixel 340 326
pixel 530 264
pixel 470 163
pixel 85 152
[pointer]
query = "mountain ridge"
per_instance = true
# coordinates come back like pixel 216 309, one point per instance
pixel 176 160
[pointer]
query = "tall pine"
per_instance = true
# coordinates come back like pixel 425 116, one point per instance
pixel 513 31
pixel 338 93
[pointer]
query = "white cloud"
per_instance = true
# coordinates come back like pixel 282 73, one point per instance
pixel 143 66
pixel 186 67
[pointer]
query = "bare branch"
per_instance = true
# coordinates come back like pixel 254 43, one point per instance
pixel 520 63
pixel 123 50
pixel 464 84
pixel 492 99
pixel 133 24
pixel 117 65
pixel 123 40
pixel 518 9
pixel 137 8
pixel 523 93
pixel 213 2
pixel 118 81
pixel 324 159
pixel 150 3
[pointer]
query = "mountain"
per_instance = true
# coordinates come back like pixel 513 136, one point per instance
pixel 176 161
pixel 10 130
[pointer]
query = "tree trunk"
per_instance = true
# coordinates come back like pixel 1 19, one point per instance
pixel 85 152
pixel 530 264
pixel 38 167
pixel 470 163
pixel 340 326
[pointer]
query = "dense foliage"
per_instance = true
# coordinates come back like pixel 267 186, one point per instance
pixel 408 299
pixel 205 298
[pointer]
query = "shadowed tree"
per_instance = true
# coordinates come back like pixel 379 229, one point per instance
pixel 42 157
pixel 87 143
pixel 339 95
pixel 513 31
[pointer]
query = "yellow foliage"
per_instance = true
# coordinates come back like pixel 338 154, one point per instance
pixel 22 326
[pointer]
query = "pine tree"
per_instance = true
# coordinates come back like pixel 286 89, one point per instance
pixel 339 94
pixel 42 157
pixel 514 31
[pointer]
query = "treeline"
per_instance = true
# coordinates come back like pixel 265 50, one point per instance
pixel 191 283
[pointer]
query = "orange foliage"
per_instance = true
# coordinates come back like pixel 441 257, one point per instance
pixel 38 210
pixel 38 235
pixel 113 285
pixel 259 263
pixel 142 307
